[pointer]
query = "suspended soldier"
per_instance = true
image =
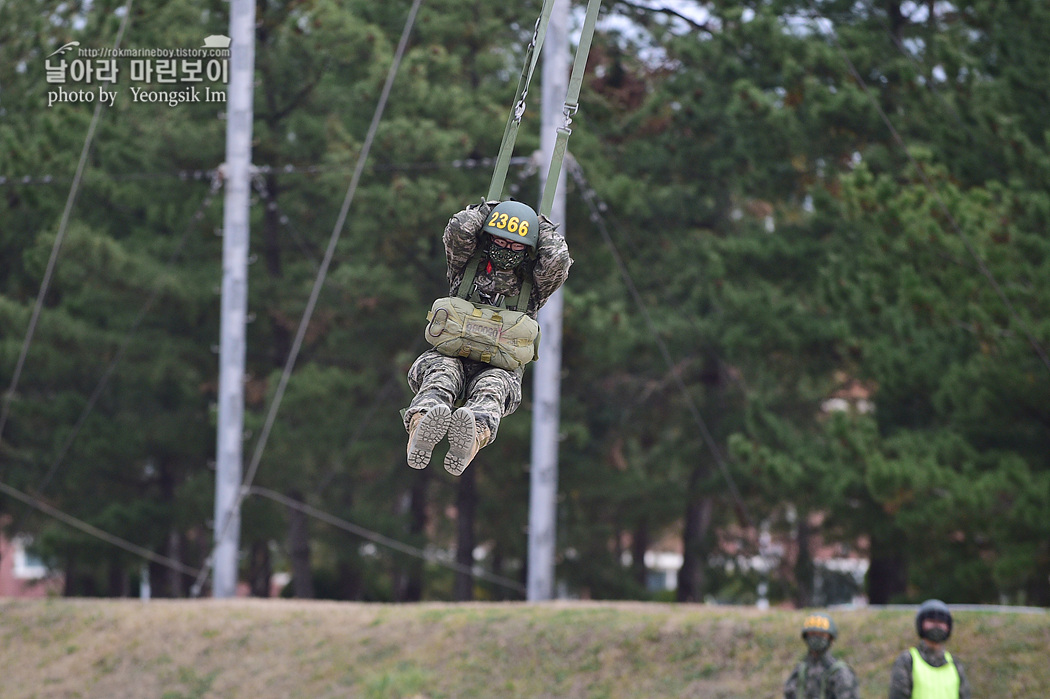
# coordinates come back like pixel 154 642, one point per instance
pixel 818 675
pixel 504 262
pixel 929 671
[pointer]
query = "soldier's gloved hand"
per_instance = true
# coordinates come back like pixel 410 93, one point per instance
pixel 483 206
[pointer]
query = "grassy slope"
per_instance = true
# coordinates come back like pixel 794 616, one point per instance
pixel 270 648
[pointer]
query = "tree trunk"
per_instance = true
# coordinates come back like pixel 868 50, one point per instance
pixel 700 507
pixel 1037 591
pixel 499 592
pixel 350 585
pixel 69 571
pixel 169 582
pixel 896 19
pixel 118 583
pixel 299 551
pixel 173 580
pixel 691 576
pixel 466 510
pixel 260 570
pixel 271 251
pixel 887 572
pixel 409 587
pixel 803 563
pixel 639 545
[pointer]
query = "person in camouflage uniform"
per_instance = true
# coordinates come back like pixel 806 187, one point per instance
pixel 929 670
pixel 818 675
pixel 488 393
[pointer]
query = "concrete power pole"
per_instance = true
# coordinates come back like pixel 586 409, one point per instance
pixel 230 435
pixel 543 483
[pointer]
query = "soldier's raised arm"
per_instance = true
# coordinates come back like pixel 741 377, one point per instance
pixel 552 264
pixel 461 238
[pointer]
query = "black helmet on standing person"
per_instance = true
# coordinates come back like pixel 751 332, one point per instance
pixel 937 610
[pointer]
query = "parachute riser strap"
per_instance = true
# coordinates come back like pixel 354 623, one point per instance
pixel 470 272
pixel 510 133
pixel 572 105
pixel 522 302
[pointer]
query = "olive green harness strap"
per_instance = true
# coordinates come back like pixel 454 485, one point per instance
pixel 470 273
pixel 572 105
pixel 510 133
pixel 832 669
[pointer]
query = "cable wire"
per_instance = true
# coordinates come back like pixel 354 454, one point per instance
pixel 122 349
pixel 96 532
pixel 589 196
pixel 293 355
pixel 289 169
pixel 382 540
pixel 270 201
pixel 63 224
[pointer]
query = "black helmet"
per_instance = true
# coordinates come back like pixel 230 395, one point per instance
pixel 819 622
pixel 933 609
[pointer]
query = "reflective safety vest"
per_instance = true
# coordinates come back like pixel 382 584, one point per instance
pixel 929 682
pixel 503 336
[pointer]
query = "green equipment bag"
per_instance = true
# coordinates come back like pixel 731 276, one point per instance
pixel 503 338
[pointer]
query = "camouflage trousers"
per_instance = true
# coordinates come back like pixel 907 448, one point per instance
pixel 490 392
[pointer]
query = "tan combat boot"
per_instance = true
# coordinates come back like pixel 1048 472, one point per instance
pixel 465 438
pixel 425 430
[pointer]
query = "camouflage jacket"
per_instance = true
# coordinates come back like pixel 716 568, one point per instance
pixel 462 237
pixel 900 675
pixel 839 684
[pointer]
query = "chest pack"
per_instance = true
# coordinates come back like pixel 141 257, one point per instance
pixel 498 333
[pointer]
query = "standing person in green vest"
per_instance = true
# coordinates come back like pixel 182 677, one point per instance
pixel 928 671
pixel 818 675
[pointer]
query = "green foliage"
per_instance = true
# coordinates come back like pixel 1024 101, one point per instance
pixel 779 247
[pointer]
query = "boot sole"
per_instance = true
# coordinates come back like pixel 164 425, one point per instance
pixel 430 430
pixel 462 434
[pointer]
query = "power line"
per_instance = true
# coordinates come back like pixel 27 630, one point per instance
pixel 178 566
pixel 597 207
pixel 289 169
pixel 383 540
pixel 48 179
pixel 259 183
pixel 275 404
pixel 49 271
pixel 388 387
pixel 96 532
pixel 902 144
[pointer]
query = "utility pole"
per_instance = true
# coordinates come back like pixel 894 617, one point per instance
pixel 543 479
pixel 230 433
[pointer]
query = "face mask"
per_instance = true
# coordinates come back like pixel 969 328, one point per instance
pixel 936 634
pixel 818 644
pixel 505 258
